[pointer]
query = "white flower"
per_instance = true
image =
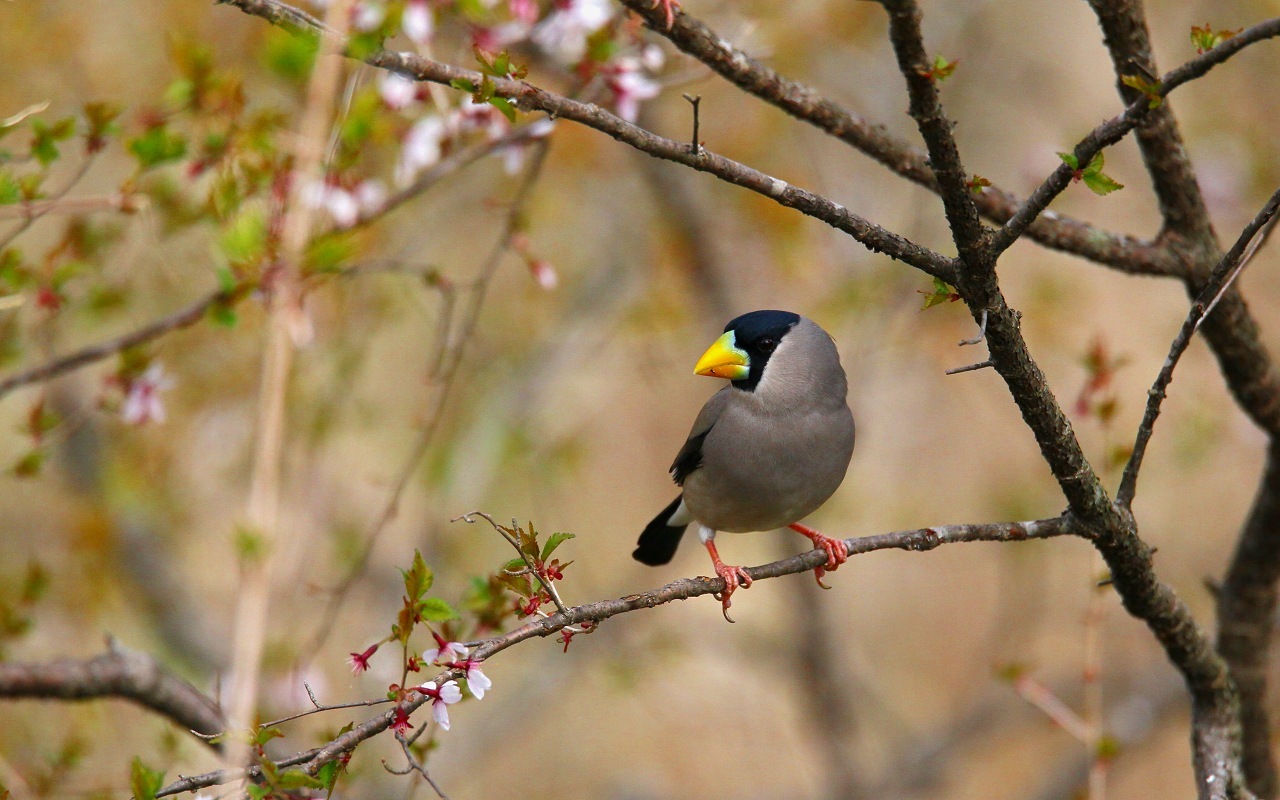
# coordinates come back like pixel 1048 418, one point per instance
pixel 564 32
pixel 339 203
pixel 652 57
pixel 420 149
pixel 371 196
pixel 396 90
pixel 142 402
pixel 445 652
pixel 477 681
pixel 441 699
pixel 368 16
pixel 629 87
pixel 417 22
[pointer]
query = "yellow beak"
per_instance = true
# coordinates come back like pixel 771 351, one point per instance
pixel 724 360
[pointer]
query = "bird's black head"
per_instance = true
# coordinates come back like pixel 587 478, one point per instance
pixel 758 333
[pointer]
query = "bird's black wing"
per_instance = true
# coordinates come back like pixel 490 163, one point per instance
pixel 690 456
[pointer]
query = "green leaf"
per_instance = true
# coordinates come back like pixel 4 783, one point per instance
pixel 30 464
pixel 433 609
pixel 554 541
pixel 244 240
pixel 1101 184
pixel 158 146
pixel 1153 89
pixel 289 55
pixel 504 105
pixel 942 292
pixel 10 189
pixel 144 782
pixel 297 779
pixel 261 736
pixel 463 84
pixel 35 583
pixel 418 578
pixel 45 138
pixel 1070 160
pixel 515 565
pixel 941 69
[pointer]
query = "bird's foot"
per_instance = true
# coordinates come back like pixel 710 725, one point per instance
pixel 835 549
pixel 670 7
pixel 733 578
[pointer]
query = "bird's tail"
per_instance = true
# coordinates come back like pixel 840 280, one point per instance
pixel 661 537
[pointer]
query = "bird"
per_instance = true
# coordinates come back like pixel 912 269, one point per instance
pixel 766 450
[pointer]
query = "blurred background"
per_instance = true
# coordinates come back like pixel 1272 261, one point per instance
pixel 570 403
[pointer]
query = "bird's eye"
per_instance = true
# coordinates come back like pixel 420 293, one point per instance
pixel 766 345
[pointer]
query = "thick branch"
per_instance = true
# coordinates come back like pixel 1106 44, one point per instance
pixel 805 103
pixel 919 540
pixel 532 98
pixel 117 673
pixel 1246 614
pixel 937 131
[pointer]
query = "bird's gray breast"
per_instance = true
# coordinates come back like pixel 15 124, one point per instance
pixel 763 470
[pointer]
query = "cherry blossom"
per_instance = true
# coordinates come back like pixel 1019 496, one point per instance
pixel 417 22
pixel 360 661
pixel 525 11
pixel 397 91
pixel 477 681
pixel 367 16
pixel 444 651
pixel 441 699
pixel 564 32
pixel 629 86
pixel 420 149
pixel 401 725
pixel 142 402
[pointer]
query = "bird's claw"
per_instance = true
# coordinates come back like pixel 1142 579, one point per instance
pixel 733 578
pixel 837 552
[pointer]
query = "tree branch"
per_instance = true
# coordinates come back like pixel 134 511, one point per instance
pixel 919 540
pixel 1219 282
pixel 806 104
pixel 1139 114
pixel 179 319
pixel 118 673
pixel 532 98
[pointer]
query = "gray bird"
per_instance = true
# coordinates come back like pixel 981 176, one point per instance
pixel 766 450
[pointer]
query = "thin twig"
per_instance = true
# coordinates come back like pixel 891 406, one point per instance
pixel 183 318
pixel 971 367
pixel 982 332
pixel 357 704
pixel 695 146
pixel 1223 274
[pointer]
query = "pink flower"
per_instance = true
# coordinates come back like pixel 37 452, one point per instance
pixel 544 273
pixel 401 723
pixel 629 87
pixel 498 37
pixel 397 91
pixel 142 401
pixel 370 195
pixel 444 651
pixel 441 699
pixel 417 22
pixel 524 10
pixel 360 661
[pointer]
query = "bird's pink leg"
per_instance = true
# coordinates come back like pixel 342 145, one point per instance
pixel 669 6
pixel 733 577
pixel 837 553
